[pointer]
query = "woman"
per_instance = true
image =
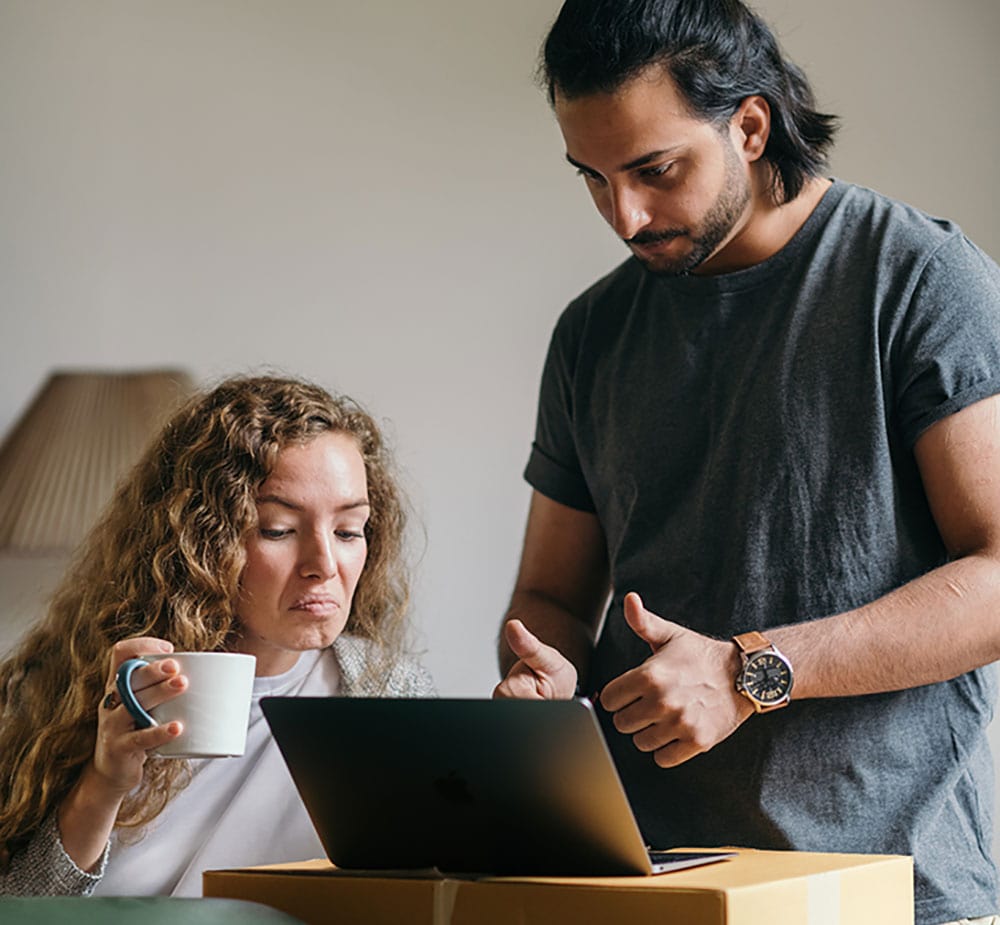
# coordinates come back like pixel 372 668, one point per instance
pixel 264 519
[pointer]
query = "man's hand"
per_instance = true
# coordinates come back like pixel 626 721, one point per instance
pixel 682 700
pixel 540 672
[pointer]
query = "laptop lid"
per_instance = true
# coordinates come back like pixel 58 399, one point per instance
pixel 464 786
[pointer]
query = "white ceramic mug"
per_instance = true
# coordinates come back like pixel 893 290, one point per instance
pixel 215 708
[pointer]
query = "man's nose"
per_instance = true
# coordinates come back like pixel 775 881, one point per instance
pixel 629 211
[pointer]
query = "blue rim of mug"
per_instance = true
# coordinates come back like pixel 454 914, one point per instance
pixel 122 681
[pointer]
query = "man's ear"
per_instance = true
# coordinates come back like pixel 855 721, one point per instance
pixel 751 125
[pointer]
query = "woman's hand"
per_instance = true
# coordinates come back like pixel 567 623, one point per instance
pixel 121 749
pixel 87 815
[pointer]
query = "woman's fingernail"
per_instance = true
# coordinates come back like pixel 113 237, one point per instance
pixel 174 729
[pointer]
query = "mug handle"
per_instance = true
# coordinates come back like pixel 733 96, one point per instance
pixel 142 719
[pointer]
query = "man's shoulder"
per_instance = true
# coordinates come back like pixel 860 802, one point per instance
pixel 869 216
pixel 870 233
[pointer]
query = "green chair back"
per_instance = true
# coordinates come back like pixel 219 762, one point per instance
pixel 155 910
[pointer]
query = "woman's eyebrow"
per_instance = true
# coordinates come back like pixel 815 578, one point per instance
pixel 277 499
pixel 291 505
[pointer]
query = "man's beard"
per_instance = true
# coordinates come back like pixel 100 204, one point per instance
pixel 718 222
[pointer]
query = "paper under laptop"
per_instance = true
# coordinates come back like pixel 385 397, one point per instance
pixel 464 787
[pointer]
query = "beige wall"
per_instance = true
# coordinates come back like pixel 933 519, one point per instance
pixel 916 82
pixel 373 195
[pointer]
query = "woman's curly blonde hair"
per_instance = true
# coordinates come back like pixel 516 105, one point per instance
pixel 165 560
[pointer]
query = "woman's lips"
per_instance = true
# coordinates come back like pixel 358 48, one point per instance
pixel 317 606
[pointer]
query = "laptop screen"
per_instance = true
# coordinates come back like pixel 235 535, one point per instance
pixel 460 786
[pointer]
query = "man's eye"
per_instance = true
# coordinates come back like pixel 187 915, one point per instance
pixel 657 171
pixel 589 176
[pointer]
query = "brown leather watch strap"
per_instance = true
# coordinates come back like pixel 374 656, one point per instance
pixel 751 642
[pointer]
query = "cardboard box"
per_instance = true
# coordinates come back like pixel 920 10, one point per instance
pixel 772 887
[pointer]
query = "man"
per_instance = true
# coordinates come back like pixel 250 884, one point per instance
pixel 776 421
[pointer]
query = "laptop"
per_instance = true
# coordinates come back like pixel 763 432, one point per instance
pixel 464 787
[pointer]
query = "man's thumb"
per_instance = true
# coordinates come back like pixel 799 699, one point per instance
pixel 529 648
pixel 647 625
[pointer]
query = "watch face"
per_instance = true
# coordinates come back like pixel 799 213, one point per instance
pixel 767 677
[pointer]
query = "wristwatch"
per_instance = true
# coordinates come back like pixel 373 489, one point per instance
pixel 766 676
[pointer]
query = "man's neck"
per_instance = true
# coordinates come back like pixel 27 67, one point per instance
pixel 767 227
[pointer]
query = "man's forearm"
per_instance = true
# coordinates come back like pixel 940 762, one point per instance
pixel 931 629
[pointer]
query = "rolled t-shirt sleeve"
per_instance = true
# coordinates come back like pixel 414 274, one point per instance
pixel 554 467
pixel 557 482
pixel 949 342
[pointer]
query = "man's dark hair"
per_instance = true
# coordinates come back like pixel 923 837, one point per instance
pixel 718 53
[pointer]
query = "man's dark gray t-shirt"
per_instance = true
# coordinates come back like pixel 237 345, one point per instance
pixel 746 441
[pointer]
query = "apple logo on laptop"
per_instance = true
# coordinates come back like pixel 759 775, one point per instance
pixel 454 788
